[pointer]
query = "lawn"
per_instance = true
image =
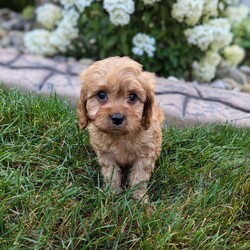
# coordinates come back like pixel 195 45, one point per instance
pixel 51 195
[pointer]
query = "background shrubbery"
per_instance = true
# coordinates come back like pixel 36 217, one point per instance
pixel 182 38
pixel 173 55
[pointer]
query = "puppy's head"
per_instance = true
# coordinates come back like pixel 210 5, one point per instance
pixel 116 96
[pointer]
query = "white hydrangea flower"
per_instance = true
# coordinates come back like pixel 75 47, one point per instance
pixel 48 14
pixel 205 69
pixel 236 14
pixel 212 57
pixel 151 2
pixel 58 40
pixel 189 11
pixel 210 8
pixel 66 30
pixel 67 3
pixel 82 4
pixel 143 43
pixel 119 11
pixel 38 42
pixel 119 17
pixel 221 32
pixel 203 72
pixel 233 54
pixel 71 16
pixel 201 36
pixel 216 33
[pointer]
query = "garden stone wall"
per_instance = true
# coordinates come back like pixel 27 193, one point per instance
pixel 183 103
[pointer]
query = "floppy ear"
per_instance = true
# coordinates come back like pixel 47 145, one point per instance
pixel 148 84
pixel 81 108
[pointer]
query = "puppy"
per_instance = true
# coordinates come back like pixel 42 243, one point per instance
pixel 117 104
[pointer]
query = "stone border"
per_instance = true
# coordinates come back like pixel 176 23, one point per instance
pixel 182 102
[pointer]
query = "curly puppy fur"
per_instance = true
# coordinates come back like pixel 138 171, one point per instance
pixel 117 104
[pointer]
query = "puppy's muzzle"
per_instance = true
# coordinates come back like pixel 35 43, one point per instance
pixel 117 119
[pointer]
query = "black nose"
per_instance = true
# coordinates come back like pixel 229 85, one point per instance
pixel 117 119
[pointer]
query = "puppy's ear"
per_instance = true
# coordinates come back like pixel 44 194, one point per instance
pixel 81 108
pixel 148 84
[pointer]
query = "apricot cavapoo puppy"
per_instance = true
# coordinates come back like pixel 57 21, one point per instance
pixel 117 104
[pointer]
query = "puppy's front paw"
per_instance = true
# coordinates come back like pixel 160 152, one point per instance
pixel 140 195
pixel 115 190
pixel 112 178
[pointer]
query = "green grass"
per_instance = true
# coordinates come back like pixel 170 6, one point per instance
pixel 51 196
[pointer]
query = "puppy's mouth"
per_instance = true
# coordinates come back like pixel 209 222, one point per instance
pixel 113 124
pixel 114 129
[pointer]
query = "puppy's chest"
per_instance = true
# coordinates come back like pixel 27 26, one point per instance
pixel 124 151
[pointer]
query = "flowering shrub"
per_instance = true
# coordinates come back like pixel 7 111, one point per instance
pixel 176 37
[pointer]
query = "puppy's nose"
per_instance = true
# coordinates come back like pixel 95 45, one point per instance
pixel 117 119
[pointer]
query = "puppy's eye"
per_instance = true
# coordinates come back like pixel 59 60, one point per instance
pixel 102 96
pixel 132 98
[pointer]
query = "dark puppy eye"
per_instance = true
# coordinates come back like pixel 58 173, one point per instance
pixel 101 96
pixel 132 98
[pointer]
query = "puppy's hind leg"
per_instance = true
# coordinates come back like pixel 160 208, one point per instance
pixel 111 173
pixel 139 176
